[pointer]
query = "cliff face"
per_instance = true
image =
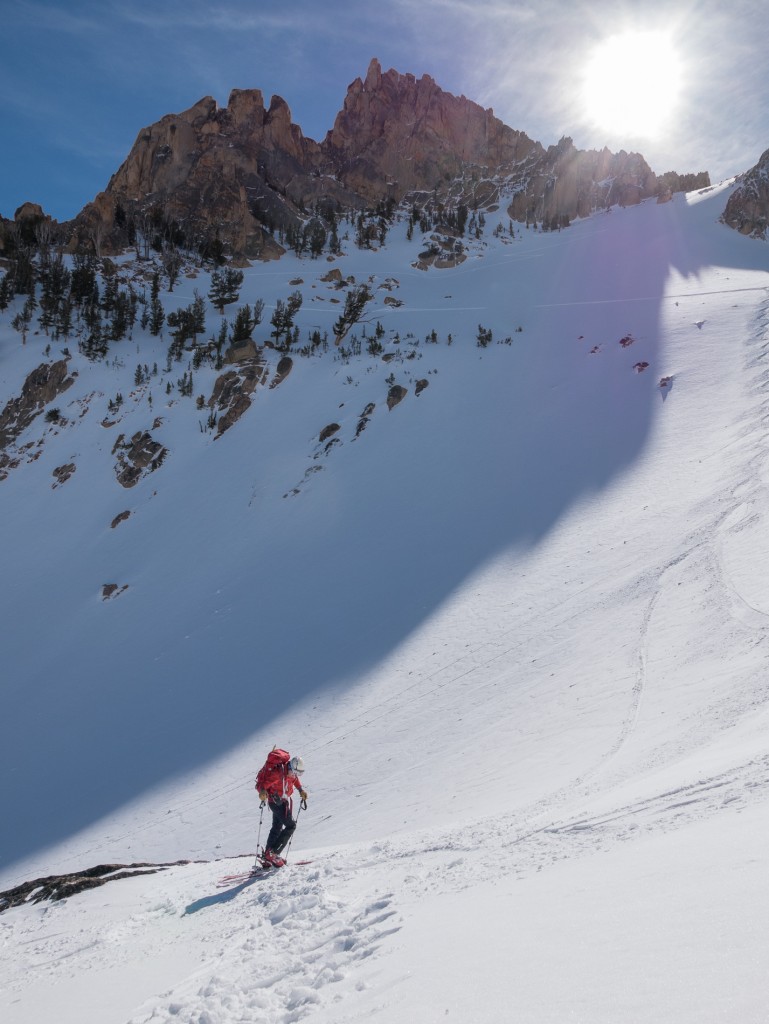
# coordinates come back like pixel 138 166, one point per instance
pixel 396 133
pixel 748 208
pixel 230 177
pixel 566 182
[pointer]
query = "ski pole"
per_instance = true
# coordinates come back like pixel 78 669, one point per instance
pixel 259 835
pixel 302 805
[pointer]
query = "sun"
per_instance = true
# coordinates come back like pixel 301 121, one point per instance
pixel 632 83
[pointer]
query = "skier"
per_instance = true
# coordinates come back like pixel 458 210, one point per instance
pixel 275 783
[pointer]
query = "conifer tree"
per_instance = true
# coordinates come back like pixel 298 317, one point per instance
pixel 225 287
pixel 246 319
pixel 282 319
pixel 157 314
pixel 6 291
pixel 354 304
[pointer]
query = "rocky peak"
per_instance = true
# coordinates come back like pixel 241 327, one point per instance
pixel 396 133
pixel 30 212
pixel 246 108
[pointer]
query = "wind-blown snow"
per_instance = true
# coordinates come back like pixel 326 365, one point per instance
pixel 518 629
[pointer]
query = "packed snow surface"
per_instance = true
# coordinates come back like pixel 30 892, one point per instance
pixel 518 628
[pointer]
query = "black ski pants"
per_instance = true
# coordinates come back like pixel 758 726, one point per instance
pixel 283 825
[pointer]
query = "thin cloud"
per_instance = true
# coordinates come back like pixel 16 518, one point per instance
pixel 227 19
pixel 48 18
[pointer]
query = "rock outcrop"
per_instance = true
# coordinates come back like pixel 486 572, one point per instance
pixel 62 473
pixel 395 395
pixel 328 431
pixel 41 387
pixel 232 392
pixel 31 225
pixel 672 181
pixel 60 887
pixel 748 207
pixel 137 457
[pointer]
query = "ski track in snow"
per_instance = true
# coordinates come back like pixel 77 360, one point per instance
pixel 280 977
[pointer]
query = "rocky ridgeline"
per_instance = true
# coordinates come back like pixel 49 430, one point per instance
pixel 233 179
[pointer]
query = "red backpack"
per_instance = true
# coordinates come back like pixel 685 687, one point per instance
pixel 270 777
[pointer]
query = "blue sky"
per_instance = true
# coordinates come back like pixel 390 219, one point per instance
pixel 80 78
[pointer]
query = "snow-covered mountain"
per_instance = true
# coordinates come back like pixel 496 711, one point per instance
pixel 517 625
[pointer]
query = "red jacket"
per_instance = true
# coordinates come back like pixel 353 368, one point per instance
pixel 279 782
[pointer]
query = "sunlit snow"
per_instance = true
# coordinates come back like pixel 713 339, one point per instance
pixel 517 628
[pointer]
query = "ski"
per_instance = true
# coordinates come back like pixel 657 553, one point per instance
pixel 260 872
pixel 243 877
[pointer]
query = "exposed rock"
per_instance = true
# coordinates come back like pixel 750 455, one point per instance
pixel 232 392
pixel 672 181
pixel 30 211
pixel 59 887
pixel 239 353
pixel 395 395
pixel 447 262
pixel 748 207
pixel 565 182
pixel 110 590
pixel 240 404
pixel 225 175
pixel 120 518
pixel 31 225
pixel 328 432
pixel 420 386
pixel 7 464
pixel 282 371
pixel 63 473
pixel 396 133
pixel 137 458
pixel 365 416
pixel 41 387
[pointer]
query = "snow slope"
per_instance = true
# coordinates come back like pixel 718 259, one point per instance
pixel 517 628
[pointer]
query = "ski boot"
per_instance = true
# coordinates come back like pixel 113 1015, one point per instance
pixel 272 860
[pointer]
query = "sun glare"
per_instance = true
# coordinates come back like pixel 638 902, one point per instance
pixel 632 83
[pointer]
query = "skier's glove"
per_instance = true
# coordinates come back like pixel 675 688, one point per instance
pixel 263 796
pixel 303 794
